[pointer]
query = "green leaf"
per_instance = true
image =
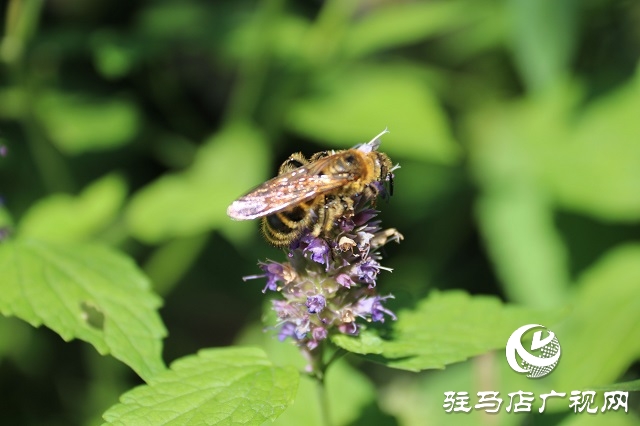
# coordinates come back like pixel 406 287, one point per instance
pixel 576 172
pixel 418 399
pixel 87 292
pixel 606 316
pixel 544 38
pixel 519 230
pixel 196 200
pixel 348 391
pixel 343 383
pixel 398 24
pixel 175 21
pixel 228 386
pixel 353 106
pixel 443 329
pixel 529 161
pixel 558 146
pixel 511 148
pixel 66 218
pixel 113 56
pixel 78 123
pixel 6 221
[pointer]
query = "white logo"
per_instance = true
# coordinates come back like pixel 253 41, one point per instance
pixel 536 366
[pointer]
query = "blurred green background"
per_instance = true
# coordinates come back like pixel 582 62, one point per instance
pixel 516 124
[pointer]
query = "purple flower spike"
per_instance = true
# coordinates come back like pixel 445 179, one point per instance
pixel 316 303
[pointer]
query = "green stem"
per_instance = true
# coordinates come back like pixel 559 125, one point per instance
pixel 323 402
pixel 319 370
pixel 336 356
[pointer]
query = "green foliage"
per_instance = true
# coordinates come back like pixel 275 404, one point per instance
pixel 357 100
pixel 64 218
pixel 343 382
pixel 443 329
pixel 76 123
pixel 127 128
pixel 609 288
pixel 544 35
pixel 226 386
pixel 195 200
pixel 85 292
pixel 397 25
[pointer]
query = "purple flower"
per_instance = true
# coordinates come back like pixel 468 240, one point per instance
pixel 345 280
pixel 319 333
pixel 346 224
pixel 284 309
pixel 274 273
pixel 302 329
pixel 287 330
pixel 3 150
pixel 349 328
pixel 372 307
pixel 364 216
pixel 316 303
pixel 367 271
pixel 317 248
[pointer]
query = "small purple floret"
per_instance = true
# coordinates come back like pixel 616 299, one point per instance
pixel 287 330
pixel 317 249
pixel 367 271
pixel 274 273
pixel 345 280
pixel 372 307
pixel 316 304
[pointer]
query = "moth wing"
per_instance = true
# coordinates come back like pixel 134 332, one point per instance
pixel 287 190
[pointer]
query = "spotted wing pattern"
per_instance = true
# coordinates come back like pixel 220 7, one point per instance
pixel 289 189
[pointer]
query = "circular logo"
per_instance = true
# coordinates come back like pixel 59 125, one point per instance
pixel 547 351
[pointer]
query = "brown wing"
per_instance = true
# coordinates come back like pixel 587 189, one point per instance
pixel 287 190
